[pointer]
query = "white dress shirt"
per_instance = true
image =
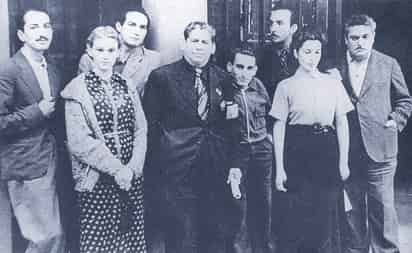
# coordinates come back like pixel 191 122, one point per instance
pixel 357 72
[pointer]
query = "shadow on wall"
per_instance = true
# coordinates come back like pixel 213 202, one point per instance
pixel 168 20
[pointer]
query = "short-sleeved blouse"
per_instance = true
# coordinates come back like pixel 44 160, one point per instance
pixel 306 99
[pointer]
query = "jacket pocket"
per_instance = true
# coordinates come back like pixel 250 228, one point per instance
pixel 24 161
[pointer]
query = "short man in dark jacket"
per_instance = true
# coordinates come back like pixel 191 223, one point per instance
pixel 187 144
pixel 29 87
pixel 247 105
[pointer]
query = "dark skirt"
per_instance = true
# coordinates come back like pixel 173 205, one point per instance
pixel 314 191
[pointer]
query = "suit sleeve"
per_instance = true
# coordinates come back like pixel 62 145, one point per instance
pixel 152 105
pixel 400 97
pixel 15 120
pixel 140 139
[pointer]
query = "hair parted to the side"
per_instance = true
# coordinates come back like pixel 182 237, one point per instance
pixel 102 32
pixel 311 33
pixel 202 26
pixel 244 49
pixel 359 19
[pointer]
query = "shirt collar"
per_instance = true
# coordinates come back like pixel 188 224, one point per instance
pixel 192 68
pixel 31 59
pixel 135 52
pixel 302 73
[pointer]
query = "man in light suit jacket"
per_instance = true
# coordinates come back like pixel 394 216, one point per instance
pixel 29 87
pixel 188 145
pixel 135 60
pixel 377 88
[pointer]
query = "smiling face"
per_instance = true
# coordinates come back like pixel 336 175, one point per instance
pixel 243 69
pixel 198 47
pixel 104 51
pixel 37 32
pixel 133 31
pixel 309 55
pixel 359 41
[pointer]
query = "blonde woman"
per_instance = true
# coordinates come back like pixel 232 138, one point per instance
pixel 106 134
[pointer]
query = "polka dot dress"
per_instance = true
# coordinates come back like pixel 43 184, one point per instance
pixel 111 220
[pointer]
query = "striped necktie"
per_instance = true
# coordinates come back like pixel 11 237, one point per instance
pixel 283 60
pixel 202 97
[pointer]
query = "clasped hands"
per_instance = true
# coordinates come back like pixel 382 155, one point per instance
pixel 123 178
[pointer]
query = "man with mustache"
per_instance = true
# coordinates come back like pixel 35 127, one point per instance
pixel 277 61
pixel 135 61
pixel 29 87
pixel 377 88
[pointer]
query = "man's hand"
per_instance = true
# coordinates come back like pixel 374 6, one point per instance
pixel 344 172
pixel 391 124
pixel 281 180
pixel 234 179
pixel 47 106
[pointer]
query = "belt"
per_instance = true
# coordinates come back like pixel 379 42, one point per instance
pixel 114 133
pixel 315 128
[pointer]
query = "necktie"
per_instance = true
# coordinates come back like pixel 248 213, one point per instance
pixel 202 97
pixel 283 60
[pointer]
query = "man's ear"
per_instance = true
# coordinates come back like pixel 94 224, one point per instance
pixel 229 67
pixel 118 26
pixel 182 44
pixel 294 28
pixel 21 35
pixel 214 48
pixel 295 53
pixel 256 69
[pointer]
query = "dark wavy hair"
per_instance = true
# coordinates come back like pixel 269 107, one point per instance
pixel 243 49
pixel 311 33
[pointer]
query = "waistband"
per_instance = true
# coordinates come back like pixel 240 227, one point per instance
pixel 316 129
pixel 255 140
pixel 115 133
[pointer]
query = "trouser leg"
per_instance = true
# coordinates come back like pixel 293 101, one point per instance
pixel 36 207
pixel 5 220
pixel 382 217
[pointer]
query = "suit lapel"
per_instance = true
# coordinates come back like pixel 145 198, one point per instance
pixel 371 74
pixel 185 87
pixel 215 93
pixel 131 66
pixel 53 80
pixel 28 77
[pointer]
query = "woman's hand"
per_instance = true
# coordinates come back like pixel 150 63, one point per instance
pixel 234 179
pixel 124 178
pixel 344 171
pixel 281 179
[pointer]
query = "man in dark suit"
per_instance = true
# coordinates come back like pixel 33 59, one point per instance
pixel 188 146
pixel 377 88
pixel 29 87
pixel 276 59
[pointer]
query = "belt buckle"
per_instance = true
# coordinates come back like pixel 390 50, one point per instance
pixel 319 129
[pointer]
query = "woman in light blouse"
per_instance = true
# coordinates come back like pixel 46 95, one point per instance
pixel 311 148
pixel 106 135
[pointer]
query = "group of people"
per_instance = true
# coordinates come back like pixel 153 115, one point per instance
pixel 276 153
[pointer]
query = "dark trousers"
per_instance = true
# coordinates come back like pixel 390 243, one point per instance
pixel 192 225
pixel 193 205
pixel 310 222
pixel 372 222
pixel 253 211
